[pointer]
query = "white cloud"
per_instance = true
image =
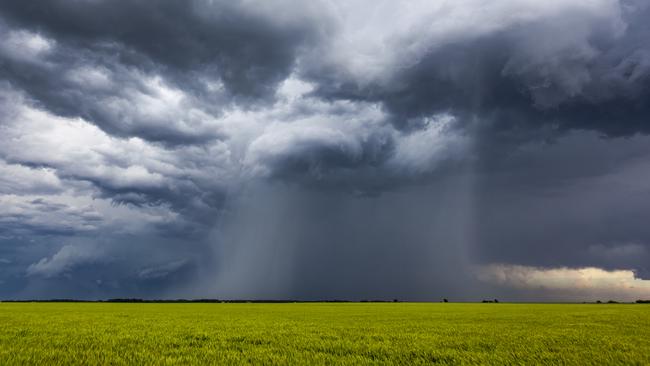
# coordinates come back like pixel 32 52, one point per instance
pixel 67 258
pixel 97 78
pixel 19 179
pixel 576 284
pixel 25 46
pixel 550 44
pixel 149 102
pixel 422 151
pixel 74 148
pixel 69 163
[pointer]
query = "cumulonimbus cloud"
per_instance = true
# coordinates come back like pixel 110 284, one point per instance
pixel 146 118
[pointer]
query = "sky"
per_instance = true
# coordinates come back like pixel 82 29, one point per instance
pixel 327 149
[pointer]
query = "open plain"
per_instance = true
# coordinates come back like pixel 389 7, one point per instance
pixel 324 333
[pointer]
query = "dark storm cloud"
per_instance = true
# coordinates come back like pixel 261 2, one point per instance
pixel 253 149
pixel 572 70
pixel 316 154
pixel 101 59
pixel 578 202
pixel 102 265
pixel 43 217
pixel 248 49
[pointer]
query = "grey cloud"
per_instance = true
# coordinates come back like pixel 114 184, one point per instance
pixel 74 155
pixel 65 260
pixel 127 81
pixel 623 250
pixel 255 149
pixel 249 48
pixel 25 216
pixel 104 265
pixel 577 69
pixel 316 151
pixel 121 100
pixel 162 271
pixel 16 178
pixel 566 204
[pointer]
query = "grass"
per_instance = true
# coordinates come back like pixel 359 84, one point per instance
pixel 323 333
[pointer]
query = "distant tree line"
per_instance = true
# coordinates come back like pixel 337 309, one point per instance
pixel 138 300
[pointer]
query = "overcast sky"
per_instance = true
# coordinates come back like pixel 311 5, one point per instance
pixel 359 149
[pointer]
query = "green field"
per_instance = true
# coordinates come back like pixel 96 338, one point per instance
pixel 323 333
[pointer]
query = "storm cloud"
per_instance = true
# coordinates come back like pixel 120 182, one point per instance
pixel 321 150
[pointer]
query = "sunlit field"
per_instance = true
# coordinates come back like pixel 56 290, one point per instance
pixel 323 333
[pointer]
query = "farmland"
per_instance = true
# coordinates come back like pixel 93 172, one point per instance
pixel 323 333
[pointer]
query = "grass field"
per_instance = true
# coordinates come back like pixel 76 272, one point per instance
pixel 323 333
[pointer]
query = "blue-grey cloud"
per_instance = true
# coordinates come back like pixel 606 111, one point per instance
pixel 255 149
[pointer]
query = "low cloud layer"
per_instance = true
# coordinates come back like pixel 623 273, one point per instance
pixel 566 284
pixel 323 150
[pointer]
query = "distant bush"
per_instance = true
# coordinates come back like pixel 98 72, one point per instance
pixel 643 301
pixel 490 301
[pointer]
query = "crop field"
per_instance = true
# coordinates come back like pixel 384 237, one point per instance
pixel 323 333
